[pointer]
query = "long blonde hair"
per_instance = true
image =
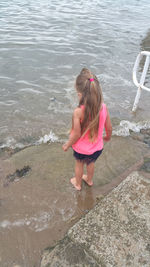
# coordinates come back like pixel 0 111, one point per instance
pixel 88 85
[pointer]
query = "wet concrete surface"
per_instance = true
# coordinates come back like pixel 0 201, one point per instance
pixel 38 209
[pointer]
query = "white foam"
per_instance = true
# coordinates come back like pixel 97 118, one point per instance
pixel 51 137
pixel 11 143
pixel 37 223
pixel 5 224
pixel 66 214
pixel 126 126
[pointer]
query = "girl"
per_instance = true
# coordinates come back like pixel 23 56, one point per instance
pixel 88 121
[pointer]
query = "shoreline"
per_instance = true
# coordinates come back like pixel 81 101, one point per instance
pixel 121 128
pixel 39 208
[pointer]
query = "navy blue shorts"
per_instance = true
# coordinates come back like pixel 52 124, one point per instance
pixel 87 158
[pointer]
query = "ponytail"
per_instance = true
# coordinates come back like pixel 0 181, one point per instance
pixel 89 86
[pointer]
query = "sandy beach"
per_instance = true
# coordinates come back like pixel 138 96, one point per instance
pixel 39 205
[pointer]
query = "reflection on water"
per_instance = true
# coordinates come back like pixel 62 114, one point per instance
pixel 85 200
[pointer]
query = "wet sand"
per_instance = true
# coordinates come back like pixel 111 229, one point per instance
pixel 39 208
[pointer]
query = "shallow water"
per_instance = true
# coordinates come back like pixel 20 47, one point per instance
pixel 44 45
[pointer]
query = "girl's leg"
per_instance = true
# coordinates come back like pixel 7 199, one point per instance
pixel 76 181
pixel 90 172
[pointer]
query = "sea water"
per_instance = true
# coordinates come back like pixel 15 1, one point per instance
pixel 43 46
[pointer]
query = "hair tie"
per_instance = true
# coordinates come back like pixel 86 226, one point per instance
pixel 91 79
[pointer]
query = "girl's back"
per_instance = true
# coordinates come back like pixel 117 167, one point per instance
pixel 86 146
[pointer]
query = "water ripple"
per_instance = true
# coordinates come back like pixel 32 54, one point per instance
pixel 44 44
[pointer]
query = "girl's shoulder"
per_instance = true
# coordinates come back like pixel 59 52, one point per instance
pixel 103 105
pixel 103 109
pixel 77 111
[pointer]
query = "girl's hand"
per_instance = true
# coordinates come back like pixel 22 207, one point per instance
pixel 106 138
pixel 65 147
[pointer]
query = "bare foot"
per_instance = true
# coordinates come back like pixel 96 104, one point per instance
pixel 84 178
pixel 73 181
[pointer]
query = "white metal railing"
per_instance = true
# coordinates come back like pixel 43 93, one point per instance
pixel 140 84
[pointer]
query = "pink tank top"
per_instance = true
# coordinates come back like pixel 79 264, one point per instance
pixel 83 145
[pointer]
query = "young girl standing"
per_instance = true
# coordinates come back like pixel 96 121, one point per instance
pixel 88 121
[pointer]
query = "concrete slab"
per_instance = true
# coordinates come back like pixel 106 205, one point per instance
pixel 116 233
pixel 67 254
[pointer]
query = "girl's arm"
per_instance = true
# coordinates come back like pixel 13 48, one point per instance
pixel 76 133
pixel 108 128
